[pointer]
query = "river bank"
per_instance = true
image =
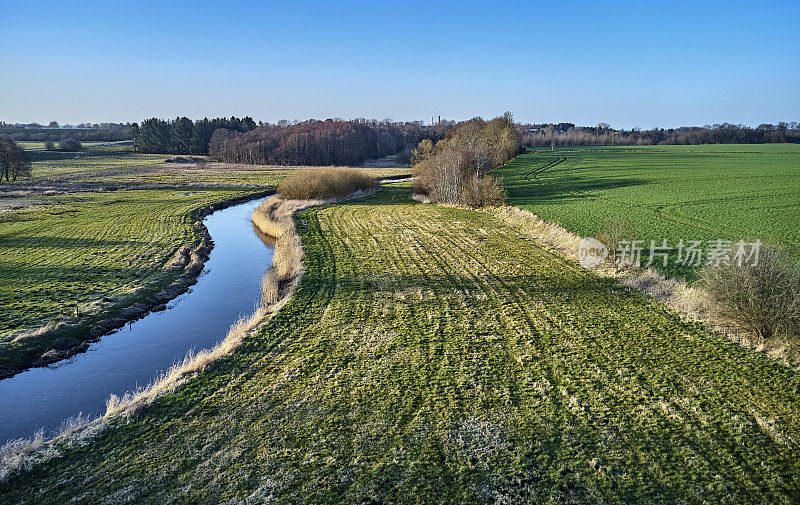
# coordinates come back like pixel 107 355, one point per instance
pixel 146 351
pixel 68 335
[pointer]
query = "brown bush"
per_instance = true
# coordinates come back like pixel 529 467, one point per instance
pixel 486 191
pixel 322 183
pixel 611 232
pixel 763 300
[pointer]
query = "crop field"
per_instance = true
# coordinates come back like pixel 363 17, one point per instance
pixel 436 355
pixel 728 192
pixel 97 251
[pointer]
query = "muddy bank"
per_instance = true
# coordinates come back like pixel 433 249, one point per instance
pixel 63 339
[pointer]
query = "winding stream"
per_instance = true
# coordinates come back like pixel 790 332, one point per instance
pixel 229 287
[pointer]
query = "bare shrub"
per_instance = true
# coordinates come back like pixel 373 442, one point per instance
pixel 761 299
pixel 404 156
pixel 70 145
pixel 321 183
pixel 611 232
pixel 486 191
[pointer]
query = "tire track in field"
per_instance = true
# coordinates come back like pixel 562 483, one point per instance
pixel 559 415
pixel 547 166
pixel 643 376
pixel 429 374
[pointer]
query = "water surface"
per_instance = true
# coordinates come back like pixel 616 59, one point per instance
pixel 229 287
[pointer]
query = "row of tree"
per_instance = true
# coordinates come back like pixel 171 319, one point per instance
pixel 318 143
pixel 14 162
pixel 182 135
pixel 105 132
pixel 567 134
pixel 456 169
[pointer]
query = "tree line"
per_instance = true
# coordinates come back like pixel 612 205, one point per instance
pixel 104 132
pixel 318 143
pixel 456 169
pixel 567 134
pixel 14 162
pixel 182 135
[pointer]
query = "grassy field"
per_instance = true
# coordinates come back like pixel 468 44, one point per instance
pixel 98 166
pixel 99 251
pixel 91 161
pixel 704 193
pixel 436 355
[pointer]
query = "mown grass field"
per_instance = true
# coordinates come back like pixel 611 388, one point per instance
pixel 436 355
pixel 99 251
pixel 728 192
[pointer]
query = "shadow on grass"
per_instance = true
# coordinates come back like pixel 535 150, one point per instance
pixel 523 192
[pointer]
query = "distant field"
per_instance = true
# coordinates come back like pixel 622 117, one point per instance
pixel 31 145
pixel 731 192
pixel 710 148
pixel 94 160
pixel 436 355
pixel 59 251
pixel 40 145
pixel 103 165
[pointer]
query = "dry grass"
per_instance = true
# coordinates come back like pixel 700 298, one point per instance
pixel 269 287
pixel 179 373
pixel 320 183
pixel 42 330
pixel 20 455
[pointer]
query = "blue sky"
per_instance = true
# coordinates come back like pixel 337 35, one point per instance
pixel 629 64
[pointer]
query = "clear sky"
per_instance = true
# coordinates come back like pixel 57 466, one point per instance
pixel 642 63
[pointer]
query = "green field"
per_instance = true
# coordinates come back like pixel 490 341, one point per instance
pixel 730 192
pixel 99 251
pixel 436 355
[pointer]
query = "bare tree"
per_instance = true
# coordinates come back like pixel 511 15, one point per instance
pixel 14 162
